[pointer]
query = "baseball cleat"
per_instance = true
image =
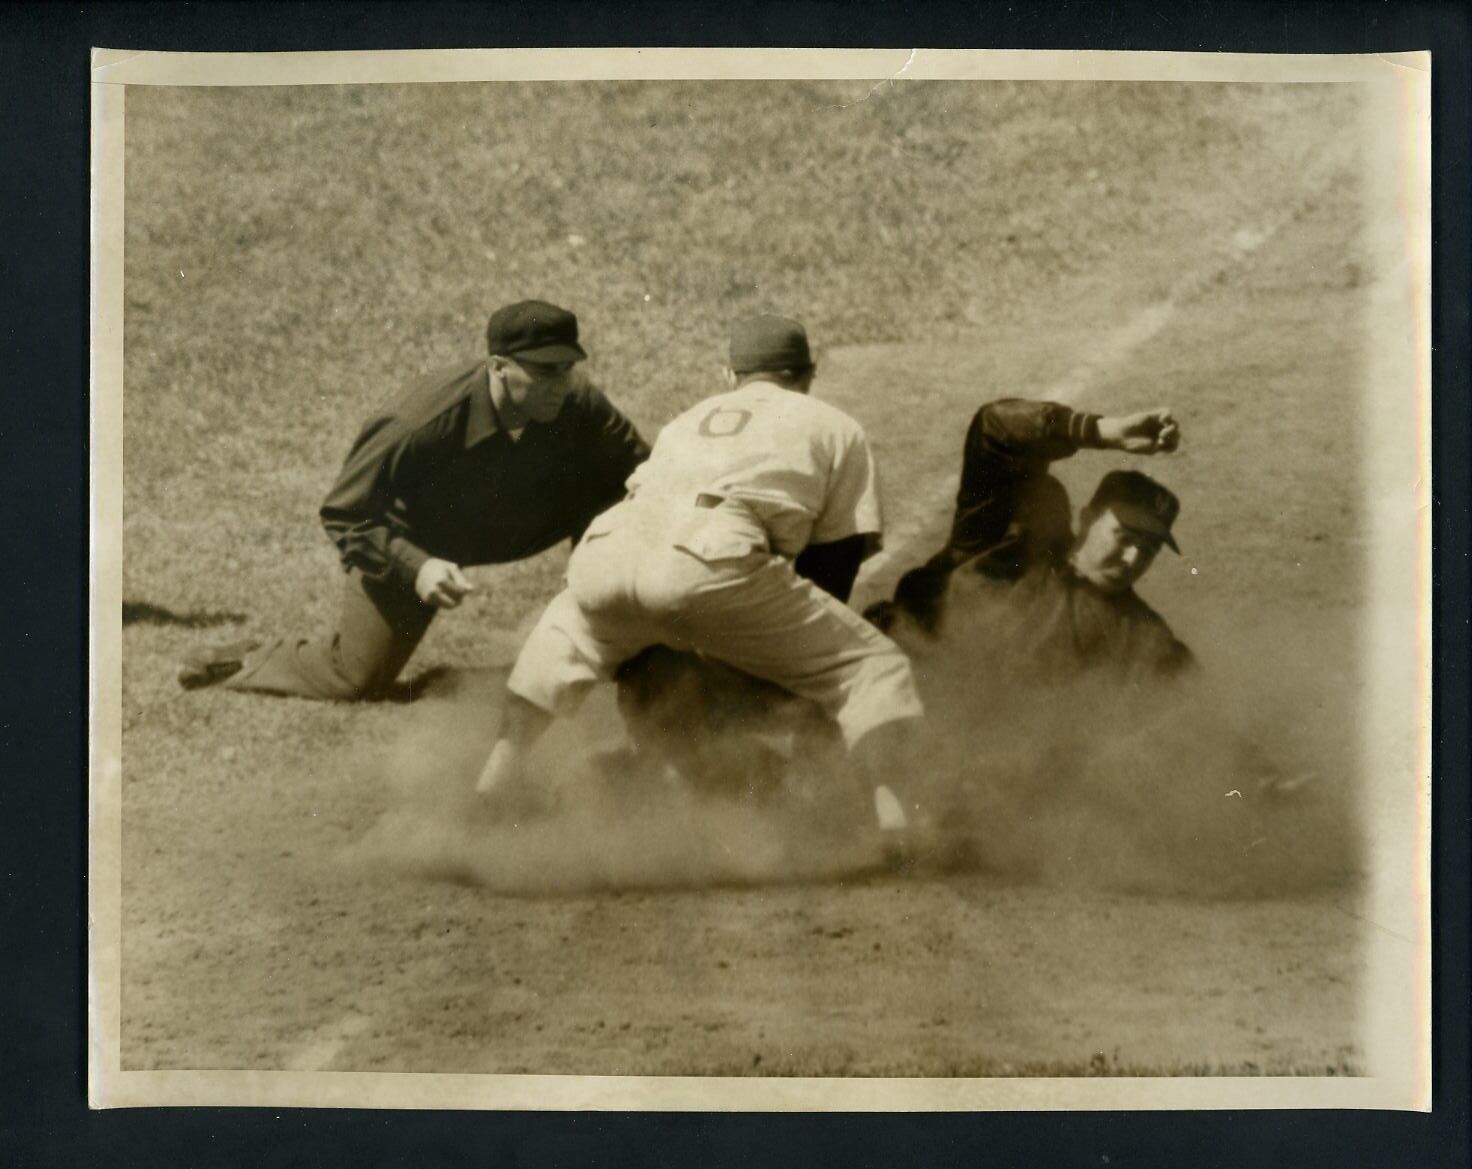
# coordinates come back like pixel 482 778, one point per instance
pixel 214 664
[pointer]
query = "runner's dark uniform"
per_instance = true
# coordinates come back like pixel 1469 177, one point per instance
pixel 1003 576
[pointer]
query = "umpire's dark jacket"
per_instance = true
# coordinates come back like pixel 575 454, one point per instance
pixel 436 474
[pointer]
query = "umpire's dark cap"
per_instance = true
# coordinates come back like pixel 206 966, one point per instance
pixel 1140 503
pixel 769 343
pixel 534 331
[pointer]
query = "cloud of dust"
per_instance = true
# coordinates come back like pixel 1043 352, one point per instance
pixel 609 827
pixel 1238 781
pixel 1094 783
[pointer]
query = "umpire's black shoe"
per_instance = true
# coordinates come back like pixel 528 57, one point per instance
pixel 211 666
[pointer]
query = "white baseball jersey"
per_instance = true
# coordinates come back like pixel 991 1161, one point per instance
pixel 803 468
pixel 662 568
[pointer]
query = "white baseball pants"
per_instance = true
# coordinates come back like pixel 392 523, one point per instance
pixel 703 580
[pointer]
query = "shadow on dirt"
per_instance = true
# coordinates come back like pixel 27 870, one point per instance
pixel 145 613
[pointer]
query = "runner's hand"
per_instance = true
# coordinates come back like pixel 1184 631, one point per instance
pixel 1149 432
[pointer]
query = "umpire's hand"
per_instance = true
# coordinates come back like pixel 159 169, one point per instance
pixel 441 584
pixel 1151 432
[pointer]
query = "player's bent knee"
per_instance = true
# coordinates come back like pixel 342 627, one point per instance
pixel 365 687
pixel 881 690
pixel 362 679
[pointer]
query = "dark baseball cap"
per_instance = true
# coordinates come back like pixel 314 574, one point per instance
pixel 767 343
pixel 1140 503
pixel 536 331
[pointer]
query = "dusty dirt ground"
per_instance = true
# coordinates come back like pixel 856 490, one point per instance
pixel 321 898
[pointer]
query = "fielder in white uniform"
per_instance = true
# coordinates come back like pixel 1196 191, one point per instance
pixel 699 557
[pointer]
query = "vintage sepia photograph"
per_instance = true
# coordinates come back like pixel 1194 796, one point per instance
pixel 866 580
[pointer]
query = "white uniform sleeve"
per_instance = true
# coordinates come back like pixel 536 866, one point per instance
pixel 852 505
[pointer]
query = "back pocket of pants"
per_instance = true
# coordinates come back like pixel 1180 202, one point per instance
pixel 713 538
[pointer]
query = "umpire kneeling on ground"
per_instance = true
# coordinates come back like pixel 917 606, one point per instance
pixel 485 463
